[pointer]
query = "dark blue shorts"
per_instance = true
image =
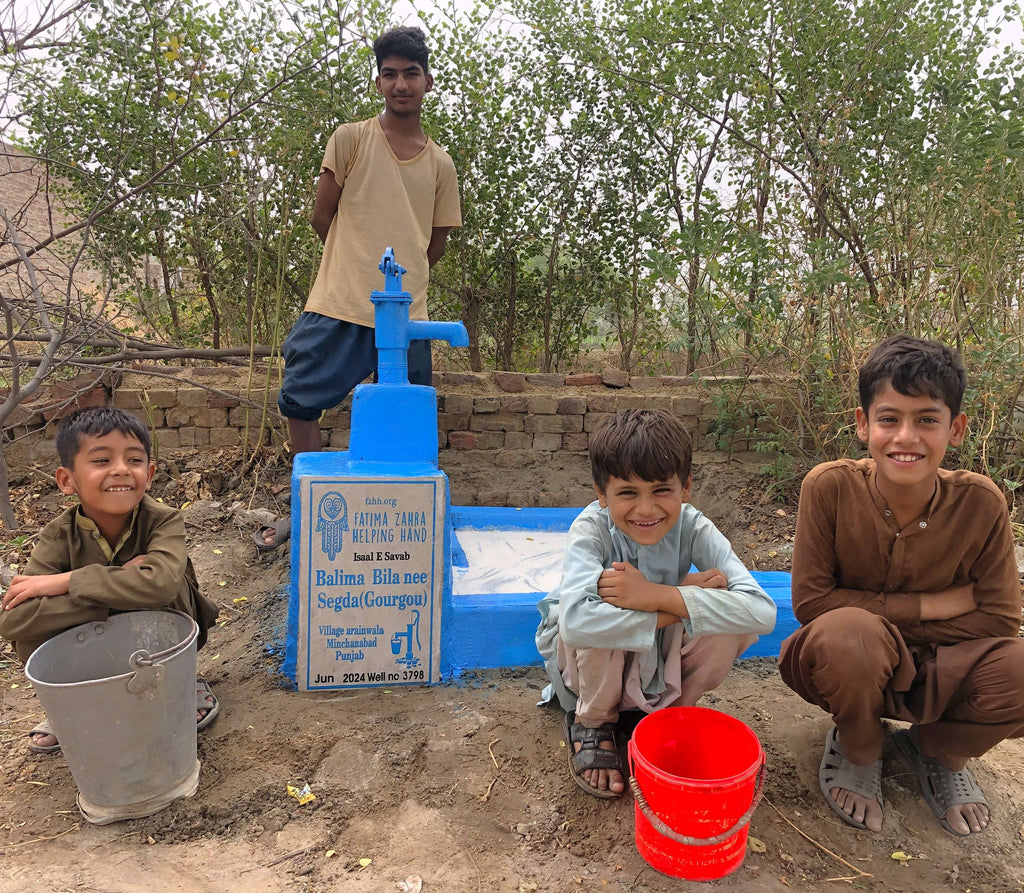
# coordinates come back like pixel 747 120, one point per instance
pixel 325 358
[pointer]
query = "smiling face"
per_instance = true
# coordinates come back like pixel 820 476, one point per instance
pixel 907 437
pixel 644 510
pixel 111 473
pixel 403 83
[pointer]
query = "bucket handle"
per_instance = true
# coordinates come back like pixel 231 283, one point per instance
pixel 148 673
pixel 665 831
pixel 143 658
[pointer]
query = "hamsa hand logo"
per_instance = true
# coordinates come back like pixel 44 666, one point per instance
pixel 332 522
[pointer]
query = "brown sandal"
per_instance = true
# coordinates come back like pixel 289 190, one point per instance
pixel 591 755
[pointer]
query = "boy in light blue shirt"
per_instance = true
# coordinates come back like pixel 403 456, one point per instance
pixel 629 626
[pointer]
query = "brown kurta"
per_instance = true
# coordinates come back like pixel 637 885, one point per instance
pixel 100 584
pixel 859 581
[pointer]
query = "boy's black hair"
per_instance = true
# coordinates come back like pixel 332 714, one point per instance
pixel 914 366
pixel 405 41
pixel 95 421
pixel 649 443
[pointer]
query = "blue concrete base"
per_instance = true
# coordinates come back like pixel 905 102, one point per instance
pixel 490 630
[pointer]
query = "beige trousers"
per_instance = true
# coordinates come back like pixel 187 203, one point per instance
pixel 607 682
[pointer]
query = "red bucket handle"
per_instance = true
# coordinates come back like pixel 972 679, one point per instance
pixel 665 831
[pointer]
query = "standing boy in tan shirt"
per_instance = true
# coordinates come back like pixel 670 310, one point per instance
pixel 906 587
pixel 383 182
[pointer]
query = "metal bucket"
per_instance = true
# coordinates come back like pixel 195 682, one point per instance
pixel 121 698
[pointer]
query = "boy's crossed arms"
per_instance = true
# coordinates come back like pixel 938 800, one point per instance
pixel 623 586
pixel 25 587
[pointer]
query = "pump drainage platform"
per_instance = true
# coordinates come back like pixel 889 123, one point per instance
pixel 505 560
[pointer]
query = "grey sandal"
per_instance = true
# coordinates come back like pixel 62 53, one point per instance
pixel 838 772
pixel 44 728
pixel 206 700
pixel 942 787
pixel 282 533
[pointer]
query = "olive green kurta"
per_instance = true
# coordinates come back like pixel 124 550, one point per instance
pixel 100 583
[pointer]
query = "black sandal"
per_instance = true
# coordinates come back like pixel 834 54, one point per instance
pixel 591 755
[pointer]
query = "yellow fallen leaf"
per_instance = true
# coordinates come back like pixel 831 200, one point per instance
pixel 222 582
pixel 365 862
pixel 758 846
pixel 14 685
pixel 329 853
pixel 217 552
pixel 238 601
pixel 901 857
pixel 304 795
pixel 215 657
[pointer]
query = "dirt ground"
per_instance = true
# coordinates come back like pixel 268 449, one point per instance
pixel 463 786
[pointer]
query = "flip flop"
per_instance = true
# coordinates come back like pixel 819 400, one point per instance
pixel 942 787
pixel 591 756
pixel 44 728
pixel 838 772
pixel 282 532
pixel 206 700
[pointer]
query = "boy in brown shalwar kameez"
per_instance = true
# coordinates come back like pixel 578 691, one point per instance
pixel 905 583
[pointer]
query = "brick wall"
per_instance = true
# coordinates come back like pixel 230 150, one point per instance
pixel 506 411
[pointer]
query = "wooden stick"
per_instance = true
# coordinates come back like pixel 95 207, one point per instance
pixel 487 794
pixel 821 847
pixel 11 846
pixel 291 855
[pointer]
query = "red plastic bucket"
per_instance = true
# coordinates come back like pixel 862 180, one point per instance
pixel 697 776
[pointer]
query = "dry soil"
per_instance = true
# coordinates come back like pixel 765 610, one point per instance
pixel 462 785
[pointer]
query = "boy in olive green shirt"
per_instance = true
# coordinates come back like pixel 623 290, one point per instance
pixel 117 550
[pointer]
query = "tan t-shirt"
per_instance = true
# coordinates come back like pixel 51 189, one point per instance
pixel 384 202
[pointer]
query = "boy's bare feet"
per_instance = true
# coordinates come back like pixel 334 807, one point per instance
pixel 594 761
pixel 854 792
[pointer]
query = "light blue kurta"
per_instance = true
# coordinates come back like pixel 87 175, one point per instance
pixel 576 614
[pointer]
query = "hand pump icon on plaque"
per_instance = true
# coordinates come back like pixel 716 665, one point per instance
pixel 413 629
